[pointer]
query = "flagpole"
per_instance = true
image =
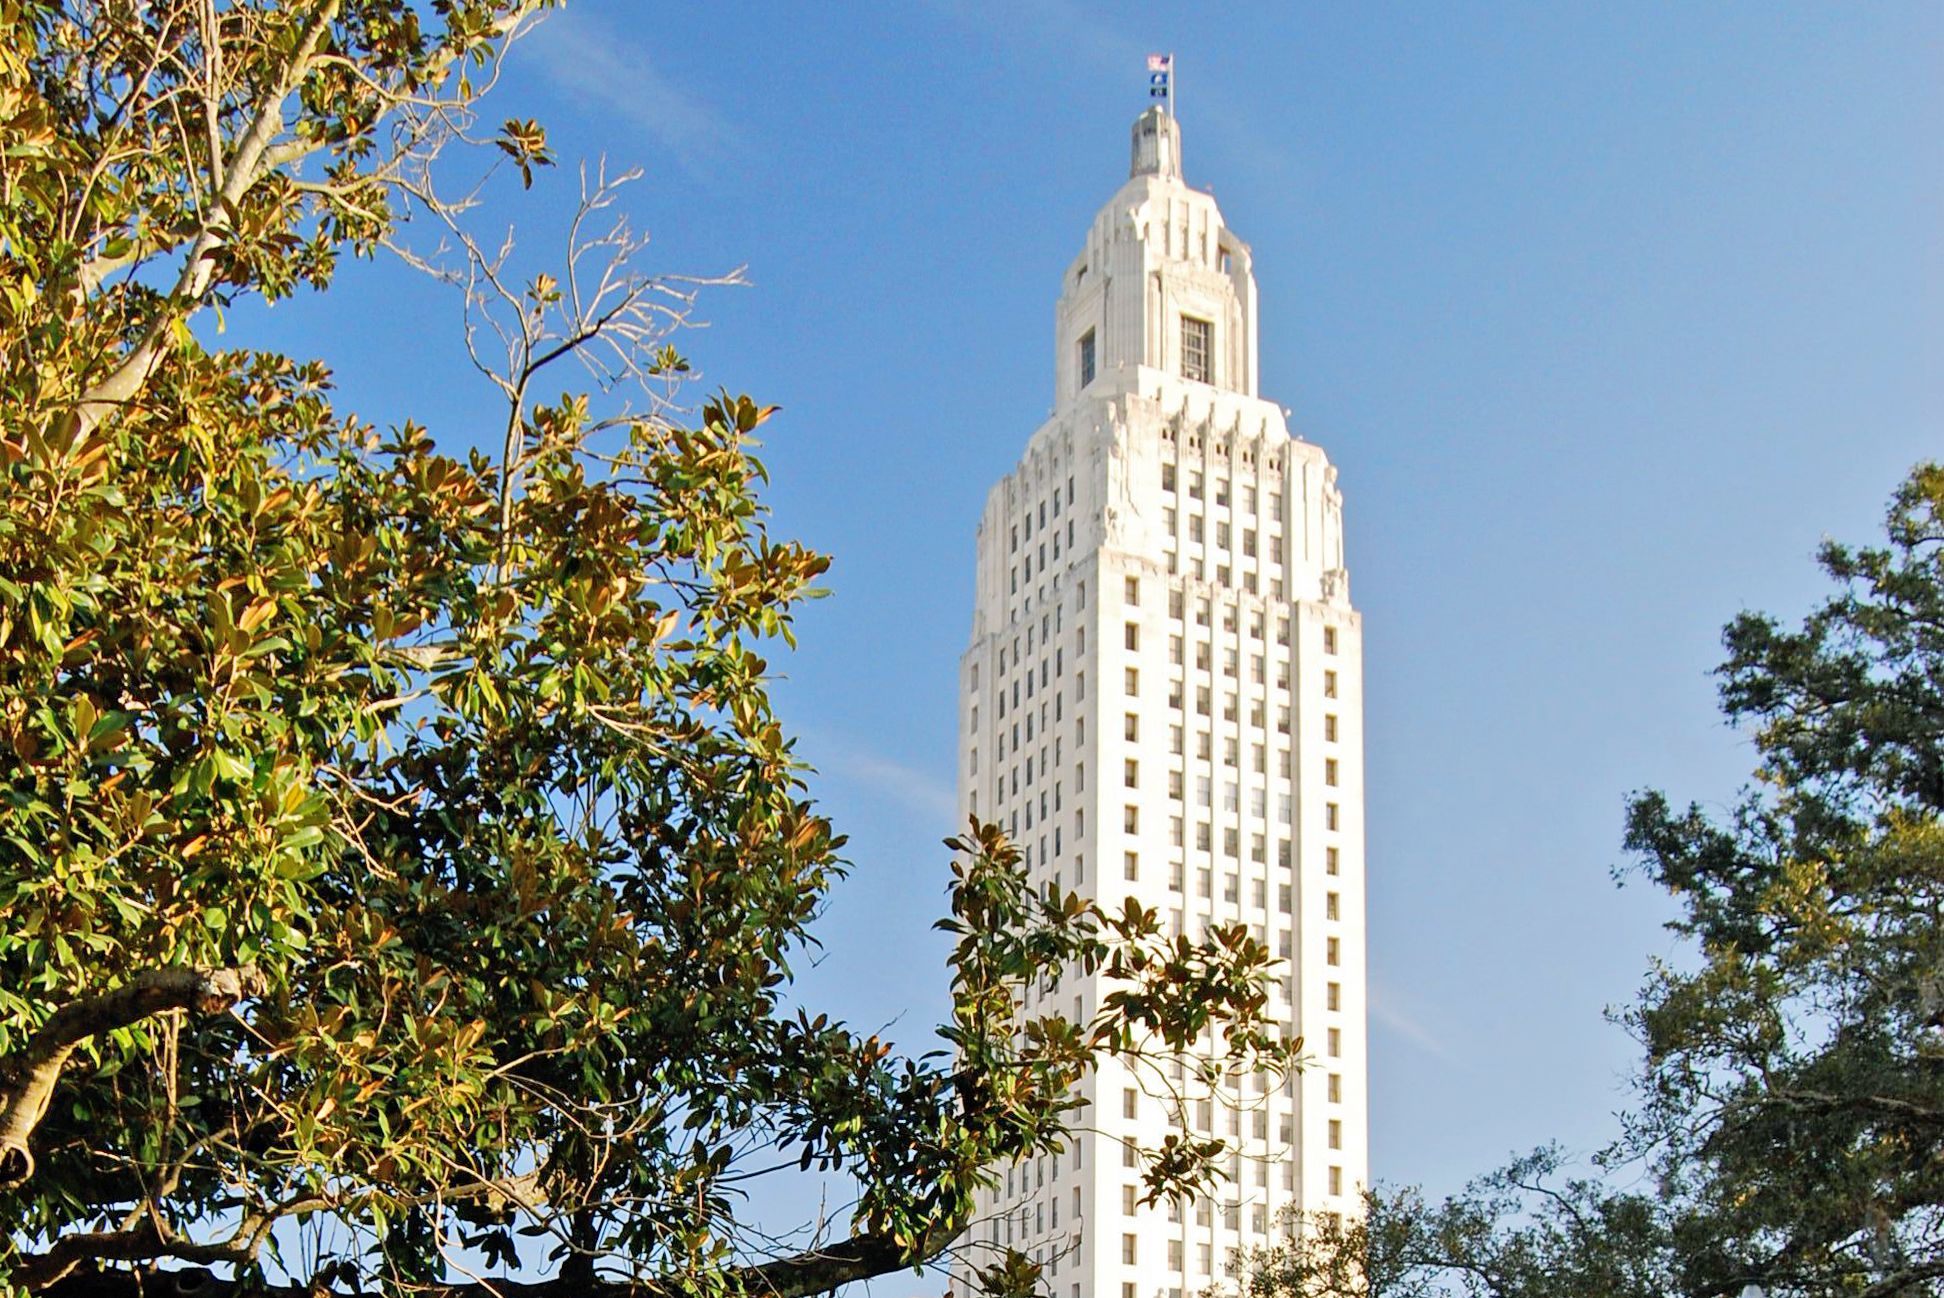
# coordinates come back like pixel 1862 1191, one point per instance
pixel 1174 88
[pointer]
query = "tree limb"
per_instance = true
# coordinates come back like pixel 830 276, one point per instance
pixel 140 1243
pixel 814 1271
pixel 28 1077
pixel 858 1258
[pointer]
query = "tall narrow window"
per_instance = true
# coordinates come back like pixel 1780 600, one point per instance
pixel 1086 358
pixel 1196 348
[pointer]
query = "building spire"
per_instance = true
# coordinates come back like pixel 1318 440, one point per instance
pixel 1157 144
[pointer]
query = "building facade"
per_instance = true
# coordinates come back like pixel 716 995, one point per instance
pixel 1163 699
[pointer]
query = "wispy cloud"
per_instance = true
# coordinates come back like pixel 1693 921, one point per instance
pixel 918 791
pixel 611 75
pixel 1401 1023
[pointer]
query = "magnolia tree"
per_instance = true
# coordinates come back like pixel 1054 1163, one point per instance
pixel 400 863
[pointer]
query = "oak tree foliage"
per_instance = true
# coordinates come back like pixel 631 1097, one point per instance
pixel 400 862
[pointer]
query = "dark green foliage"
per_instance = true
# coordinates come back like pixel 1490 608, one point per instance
pixel 1795 1082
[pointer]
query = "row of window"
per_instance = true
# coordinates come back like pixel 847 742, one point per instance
pixel 1246 500
pixel 1224 576
pixel 1204 659
pixel 1222 535
pixel 1231 790
pixel 1049 803
pixel 1231 745
pixel 1231 835
pixel 1231 656
pixel 1025 1221
pixel 1200 1119
pixel 1232 883
pixel 1232 620
pixel 1032 1188
pixel 1051 798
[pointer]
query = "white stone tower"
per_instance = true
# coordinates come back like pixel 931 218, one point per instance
pixel 1163 698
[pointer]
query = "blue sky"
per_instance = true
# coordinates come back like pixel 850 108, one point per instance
pixel 1607 313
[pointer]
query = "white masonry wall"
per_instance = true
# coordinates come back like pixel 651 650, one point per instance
pixel 1163 699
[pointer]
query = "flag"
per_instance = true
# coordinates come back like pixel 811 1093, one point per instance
pixel 1159 62
pixel 1160 72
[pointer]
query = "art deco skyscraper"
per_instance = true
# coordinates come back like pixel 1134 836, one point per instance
pixel 1163 699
